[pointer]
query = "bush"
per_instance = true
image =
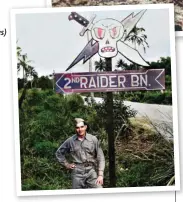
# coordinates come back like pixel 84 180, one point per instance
pixel 46 121
pixel 147 158
pixel 152 97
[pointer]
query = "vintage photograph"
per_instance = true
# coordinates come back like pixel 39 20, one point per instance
pixel 177 3
pixel 95 102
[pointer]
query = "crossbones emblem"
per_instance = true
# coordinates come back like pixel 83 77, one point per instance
pixel 106 36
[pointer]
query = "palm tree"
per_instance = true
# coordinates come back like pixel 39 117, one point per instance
pixel 124 66
pixel 100 65
pixel 28 71
pixel 121 64
pixel 24 63
pixel 31 73
pixel 137 37
pixel 19 50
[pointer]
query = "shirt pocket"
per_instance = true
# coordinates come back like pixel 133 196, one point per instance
pixel 89 147
pixel 75 148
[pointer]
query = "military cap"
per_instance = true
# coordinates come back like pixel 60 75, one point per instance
pixel 78 120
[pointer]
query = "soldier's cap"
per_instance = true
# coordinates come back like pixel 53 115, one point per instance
pixel 79 122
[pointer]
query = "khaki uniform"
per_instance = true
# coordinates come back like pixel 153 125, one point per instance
pixel 88 157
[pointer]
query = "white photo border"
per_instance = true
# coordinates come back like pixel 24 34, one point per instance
pixel 170 7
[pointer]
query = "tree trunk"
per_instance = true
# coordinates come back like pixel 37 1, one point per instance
pixel 110 131
pixel 23 78
pixel 22 97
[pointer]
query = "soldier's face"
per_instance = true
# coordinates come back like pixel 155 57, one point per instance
pixel 81 129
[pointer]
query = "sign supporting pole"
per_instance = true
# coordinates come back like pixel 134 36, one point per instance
pixel 110 131
pixel 90 61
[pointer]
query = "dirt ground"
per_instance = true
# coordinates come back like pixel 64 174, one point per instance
pixel 178 6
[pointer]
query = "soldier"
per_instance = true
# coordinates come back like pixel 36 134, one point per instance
pixel 88 161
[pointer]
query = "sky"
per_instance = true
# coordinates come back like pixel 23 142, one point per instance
pixel 52 42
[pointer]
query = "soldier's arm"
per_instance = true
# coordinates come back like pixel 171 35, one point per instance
pixel 100 159
pixel 62 151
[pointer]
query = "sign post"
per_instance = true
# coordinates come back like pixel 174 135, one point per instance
pixel 110 131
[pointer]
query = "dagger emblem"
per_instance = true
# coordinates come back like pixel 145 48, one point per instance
pixel 87 24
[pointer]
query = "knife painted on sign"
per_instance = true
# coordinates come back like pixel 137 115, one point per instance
pixel 87 24
pixel 92 46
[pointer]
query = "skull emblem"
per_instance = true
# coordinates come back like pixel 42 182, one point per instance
pixel 107 32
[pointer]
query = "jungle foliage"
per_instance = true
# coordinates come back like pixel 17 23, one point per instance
pixel 46 121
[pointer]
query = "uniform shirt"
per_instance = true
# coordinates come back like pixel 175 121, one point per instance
pixel 87 150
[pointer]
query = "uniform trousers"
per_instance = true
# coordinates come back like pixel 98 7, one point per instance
pixel 84 177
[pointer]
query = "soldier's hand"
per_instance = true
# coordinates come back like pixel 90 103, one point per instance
pixel 99 180
pixel 70 166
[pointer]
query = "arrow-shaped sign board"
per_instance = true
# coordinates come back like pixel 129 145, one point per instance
pixel 132 80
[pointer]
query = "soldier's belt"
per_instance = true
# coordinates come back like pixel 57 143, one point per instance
pixel 85 164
